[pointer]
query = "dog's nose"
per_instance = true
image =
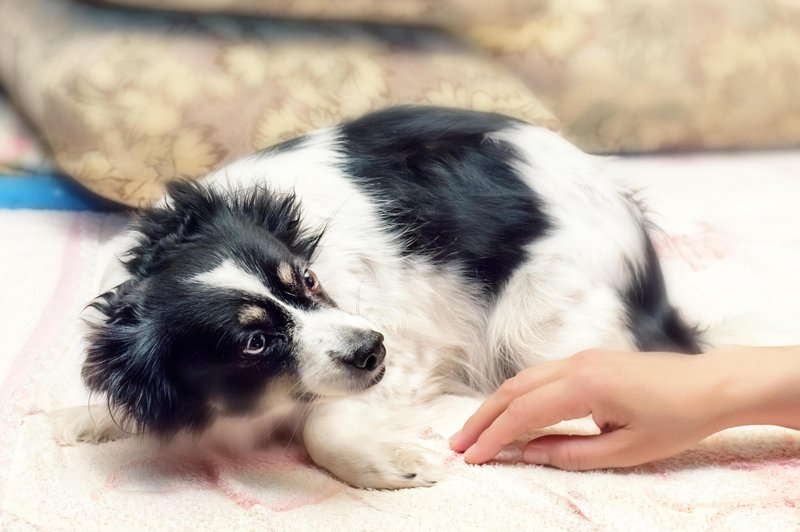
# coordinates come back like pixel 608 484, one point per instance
pixel 369 353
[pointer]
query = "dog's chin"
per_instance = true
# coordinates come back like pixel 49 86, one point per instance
pixel 361 382
pixel 378 377
pixel 350 384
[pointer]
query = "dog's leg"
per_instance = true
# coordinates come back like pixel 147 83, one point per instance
pixel 86 424
pixel 368 446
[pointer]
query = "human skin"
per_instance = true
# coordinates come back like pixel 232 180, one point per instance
pixel 647 407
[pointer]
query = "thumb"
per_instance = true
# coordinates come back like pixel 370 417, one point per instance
pixel 579 453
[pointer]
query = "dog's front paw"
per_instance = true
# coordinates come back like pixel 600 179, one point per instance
pixel 413 466
pixel 369 446
pixel 384 466
pixel 94 424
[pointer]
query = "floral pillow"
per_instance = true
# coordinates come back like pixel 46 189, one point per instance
pixel 127 101
pixel 644 75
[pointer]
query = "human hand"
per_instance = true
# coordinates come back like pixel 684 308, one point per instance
pixel 647 406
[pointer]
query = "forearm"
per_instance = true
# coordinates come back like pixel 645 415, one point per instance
pixel 757 385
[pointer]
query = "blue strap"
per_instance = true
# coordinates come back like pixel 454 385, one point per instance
pixel 49 192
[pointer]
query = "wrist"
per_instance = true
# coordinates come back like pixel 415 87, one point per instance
pixel 755 385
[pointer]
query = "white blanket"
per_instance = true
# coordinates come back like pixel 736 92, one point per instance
pixel 731 249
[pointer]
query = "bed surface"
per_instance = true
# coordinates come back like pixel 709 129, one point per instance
pixel 731 249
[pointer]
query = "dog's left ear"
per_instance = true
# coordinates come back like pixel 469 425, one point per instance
pixel 126 360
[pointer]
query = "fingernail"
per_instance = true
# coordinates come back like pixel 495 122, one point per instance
pixel 469 454
pixel 536 455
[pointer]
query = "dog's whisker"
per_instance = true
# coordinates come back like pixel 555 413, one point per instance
pixel 299 421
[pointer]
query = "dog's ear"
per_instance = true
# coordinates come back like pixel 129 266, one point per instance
pixel 126 360
pixel 163 230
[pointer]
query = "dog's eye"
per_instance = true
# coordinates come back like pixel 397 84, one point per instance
pixel 311 281
pixel 256 344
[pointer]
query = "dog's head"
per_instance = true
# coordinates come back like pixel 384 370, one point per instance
pixel 222 312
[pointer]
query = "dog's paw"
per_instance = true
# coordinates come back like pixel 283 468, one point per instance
pixel 367 446
pixel 389 466
pixel 73 426
pixel 414 467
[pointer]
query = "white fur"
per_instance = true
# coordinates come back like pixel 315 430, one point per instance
pixel 228 276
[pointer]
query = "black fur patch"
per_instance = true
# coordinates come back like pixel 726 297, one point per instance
pixel 451 194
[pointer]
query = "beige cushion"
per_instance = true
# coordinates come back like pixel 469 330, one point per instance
pixel 640 75
pixel 128 102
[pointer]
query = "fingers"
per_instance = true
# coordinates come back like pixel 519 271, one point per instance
pixel 580 453
pixel 497 403
pixel 540 408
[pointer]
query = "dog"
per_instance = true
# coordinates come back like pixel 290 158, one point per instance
pixel 356 275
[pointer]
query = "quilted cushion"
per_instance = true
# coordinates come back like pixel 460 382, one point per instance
pixel 644 75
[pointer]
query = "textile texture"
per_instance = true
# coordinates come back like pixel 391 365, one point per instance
pixel 730 266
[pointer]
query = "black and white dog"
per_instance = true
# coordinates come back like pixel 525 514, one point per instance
pixel 360 273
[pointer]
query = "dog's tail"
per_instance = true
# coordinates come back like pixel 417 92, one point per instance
pixel 657 326
pixel 654 322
